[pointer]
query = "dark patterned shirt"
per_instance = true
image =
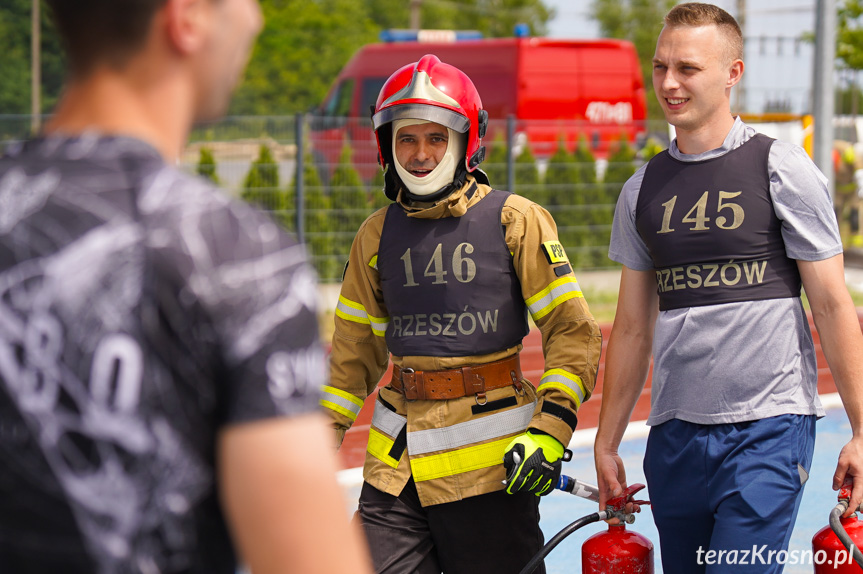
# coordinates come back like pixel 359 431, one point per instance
pixel 140 312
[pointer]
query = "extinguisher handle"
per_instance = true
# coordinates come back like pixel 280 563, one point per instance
pixel 578 488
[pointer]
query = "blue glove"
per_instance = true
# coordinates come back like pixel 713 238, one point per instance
pixel 532 463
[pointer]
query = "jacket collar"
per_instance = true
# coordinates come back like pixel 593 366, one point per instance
pixel 455 204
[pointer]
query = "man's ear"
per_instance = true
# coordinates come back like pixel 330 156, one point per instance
pixel 186 23
pixel 735 73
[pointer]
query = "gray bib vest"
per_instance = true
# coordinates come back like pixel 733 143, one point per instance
pixel 449 284
pixel 711 229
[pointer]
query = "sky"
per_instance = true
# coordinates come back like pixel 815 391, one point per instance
pixel 778 68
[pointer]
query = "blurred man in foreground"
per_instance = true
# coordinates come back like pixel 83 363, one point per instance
pixel 159 354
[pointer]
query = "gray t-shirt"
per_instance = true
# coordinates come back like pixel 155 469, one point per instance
pixel 743 361
pixel 141 312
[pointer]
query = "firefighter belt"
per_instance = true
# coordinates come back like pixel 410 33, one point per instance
pixel 457 383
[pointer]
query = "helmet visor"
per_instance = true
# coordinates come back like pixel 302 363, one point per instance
pixel 434 114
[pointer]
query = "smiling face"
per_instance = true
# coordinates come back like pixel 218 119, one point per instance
pixel 693 73
pixel 420 148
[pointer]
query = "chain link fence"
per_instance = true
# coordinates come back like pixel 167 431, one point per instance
pixel 570 168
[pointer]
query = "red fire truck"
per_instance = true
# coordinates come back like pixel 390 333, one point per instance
pixel 556 89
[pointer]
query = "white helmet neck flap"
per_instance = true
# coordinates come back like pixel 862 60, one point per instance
pixel 443 174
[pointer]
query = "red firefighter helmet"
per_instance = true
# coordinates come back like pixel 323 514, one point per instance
pixel 431 90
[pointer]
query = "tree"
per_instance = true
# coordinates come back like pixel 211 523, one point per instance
pixel 302 47
pixel 650 149
pixel 495 164
pixel 376 190
pixel 561 184
pixel 305 43
pixel 849 34
pixel 349 205
pixel 320 228
pixel 207 165
pixel 585 161
pixel 348 193
pixel 621 166
pixel 315 202
pixel 494 18
pixel 527 181
pixel 640 22
pixel 561 176
pixel 585 201
pixel 849 51
pixel 261 185
pixel 15 34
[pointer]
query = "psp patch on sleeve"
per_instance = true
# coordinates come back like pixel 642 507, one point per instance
pixel 554 252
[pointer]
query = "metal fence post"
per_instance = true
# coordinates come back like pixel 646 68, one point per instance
pixel 510 162
pixel 299 168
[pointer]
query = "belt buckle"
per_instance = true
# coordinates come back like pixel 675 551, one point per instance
pixel 413 384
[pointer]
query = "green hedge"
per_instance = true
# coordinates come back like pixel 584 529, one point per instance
pixel 206 167
pixel 582 206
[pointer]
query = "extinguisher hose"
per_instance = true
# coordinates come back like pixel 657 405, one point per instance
pixel 839 530
pixel 543 552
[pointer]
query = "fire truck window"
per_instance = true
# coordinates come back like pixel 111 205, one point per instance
pixel 371 89
pixel 339 104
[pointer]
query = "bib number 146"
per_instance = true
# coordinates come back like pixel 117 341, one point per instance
pixel 463 267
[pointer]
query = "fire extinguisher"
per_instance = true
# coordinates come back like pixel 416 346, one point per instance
pixel 836 548
pixel 616 551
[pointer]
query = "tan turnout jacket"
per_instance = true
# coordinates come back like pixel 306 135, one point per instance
pixel 451 452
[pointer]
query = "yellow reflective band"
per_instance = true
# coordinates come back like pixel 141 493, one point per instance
pixel 571 384
pixel 373 262
pixel 545 301
pixel 554 252
pixel 343 394
pixel 380 446
pixel 339 409
pixel 563 388
pixel 459 461
pixel 342 402
pixel 351 311
pixel 379 325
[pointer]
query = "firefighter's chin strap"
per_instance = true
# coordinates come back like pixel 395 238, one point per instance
pixel 442 175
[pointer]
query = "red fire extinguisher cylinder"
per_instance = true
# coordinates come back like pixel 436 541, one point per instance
pixel 618 550
pixel 829 553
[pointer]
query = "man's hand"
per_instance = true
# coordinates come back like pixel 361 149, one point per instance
pixel 532 463
pixel 611 479
pixel 850 465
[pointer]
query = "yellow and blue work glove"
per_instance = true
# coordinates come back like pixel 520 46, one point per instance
pixel 532 462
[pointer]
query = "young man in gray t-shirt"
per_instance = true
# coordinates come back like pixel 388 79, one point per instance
pixel 716 236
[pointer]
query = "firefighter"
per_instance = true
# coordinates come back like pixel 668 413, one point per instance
pixel 461 444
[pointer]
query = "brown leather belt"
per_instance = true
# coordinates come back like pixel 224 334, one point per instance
pixel 456 383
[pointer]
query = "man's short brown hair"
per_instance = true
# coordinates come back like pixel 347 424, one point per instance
pixel 698 14
pixel 102 31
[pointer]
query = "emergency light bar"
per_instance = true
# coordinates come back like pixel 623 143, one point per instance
pixel 442 36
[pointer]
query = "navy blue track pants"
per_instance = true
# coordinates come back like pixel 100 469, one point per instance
pixel 724 496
